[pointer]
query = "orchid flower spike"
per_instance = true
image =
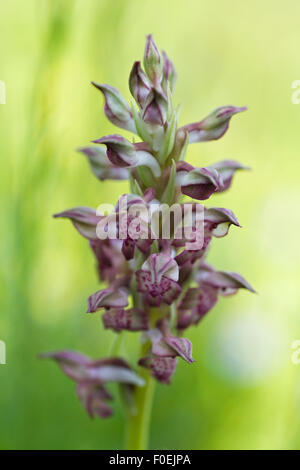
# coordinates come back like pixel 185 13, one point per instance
pixel 153 283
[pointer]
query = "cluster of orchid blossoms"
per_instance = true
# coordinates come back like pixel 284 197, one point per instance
pixel 155 285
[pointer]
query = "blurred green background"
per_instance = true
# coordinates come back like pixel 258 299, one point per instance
pixel 244 391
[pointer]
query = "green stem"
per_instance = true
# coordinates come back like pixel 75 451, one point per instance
pixel 137 431
pixel 116 344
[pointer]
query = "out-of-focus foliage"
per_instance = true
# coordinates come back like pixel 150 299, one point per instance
pixel 244 390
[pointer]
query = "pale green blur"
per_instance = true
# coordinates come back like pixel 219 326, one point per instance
pixel 243 392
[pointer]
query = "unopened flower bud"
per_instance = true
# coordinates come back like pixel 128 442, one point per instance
pixel 116 108
pixel 153 61
pixel 156 106
pixel 213 126
pixel 139 84
pixel 124 154
pixel 201 183
pixel 169 72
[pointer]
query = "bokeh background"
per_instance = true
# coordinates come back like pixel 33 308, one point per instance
pixel 244 391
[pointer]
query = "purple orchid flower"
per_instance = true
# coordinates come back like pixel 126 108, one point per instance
pixel 227 169
pixel 107 298
pixel 121 319
pixel 199 301
pixel 101 166
pixel 213 126
pixel 91 376
pixel 139 84
pixel 116 109
pixel 157 279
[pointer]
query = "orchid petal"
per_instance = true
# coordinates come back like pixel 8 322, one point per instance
pixel 116 108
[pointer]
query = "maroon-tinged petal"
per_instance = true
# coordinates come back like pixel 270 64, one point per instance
pixel 180 145
pixel 166 291
pixel 131 320
pixel 73 364
pixel 187 256
pixel 91 376
pixel 123 153
pixel 161 349
pixel 162 368
pixel 169 346
pixel 93 398
pixel 68 357
pixel 213 126
pixel 225 281
pixel 128 247
pixel 161 265
pixel 107 298
pixel 201 183
pixel 218 220
pixel 227 169
pixel 183 168
pixel 126 201
pixel 110 260
pixel 84 219
pixel 116 108
pixel 155 109
pixel 153 61
pixel 182 346
pixel 195 304
pixel 101 166
pixel 84 369
pixel 139 84
pixel 169 71
pixel 120 151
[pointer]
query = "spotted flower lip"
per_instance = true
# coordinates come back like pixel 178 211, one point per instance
pixel 84 219
pixel 107 298
pixel 116 108
pixel 157 279
pixel 162 368
pixel 111 264
pixel 101 166
pixel 213 126
pixel 130 320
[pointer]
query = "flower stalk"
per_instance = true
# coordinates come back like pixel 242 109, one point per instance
pixel 137 426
